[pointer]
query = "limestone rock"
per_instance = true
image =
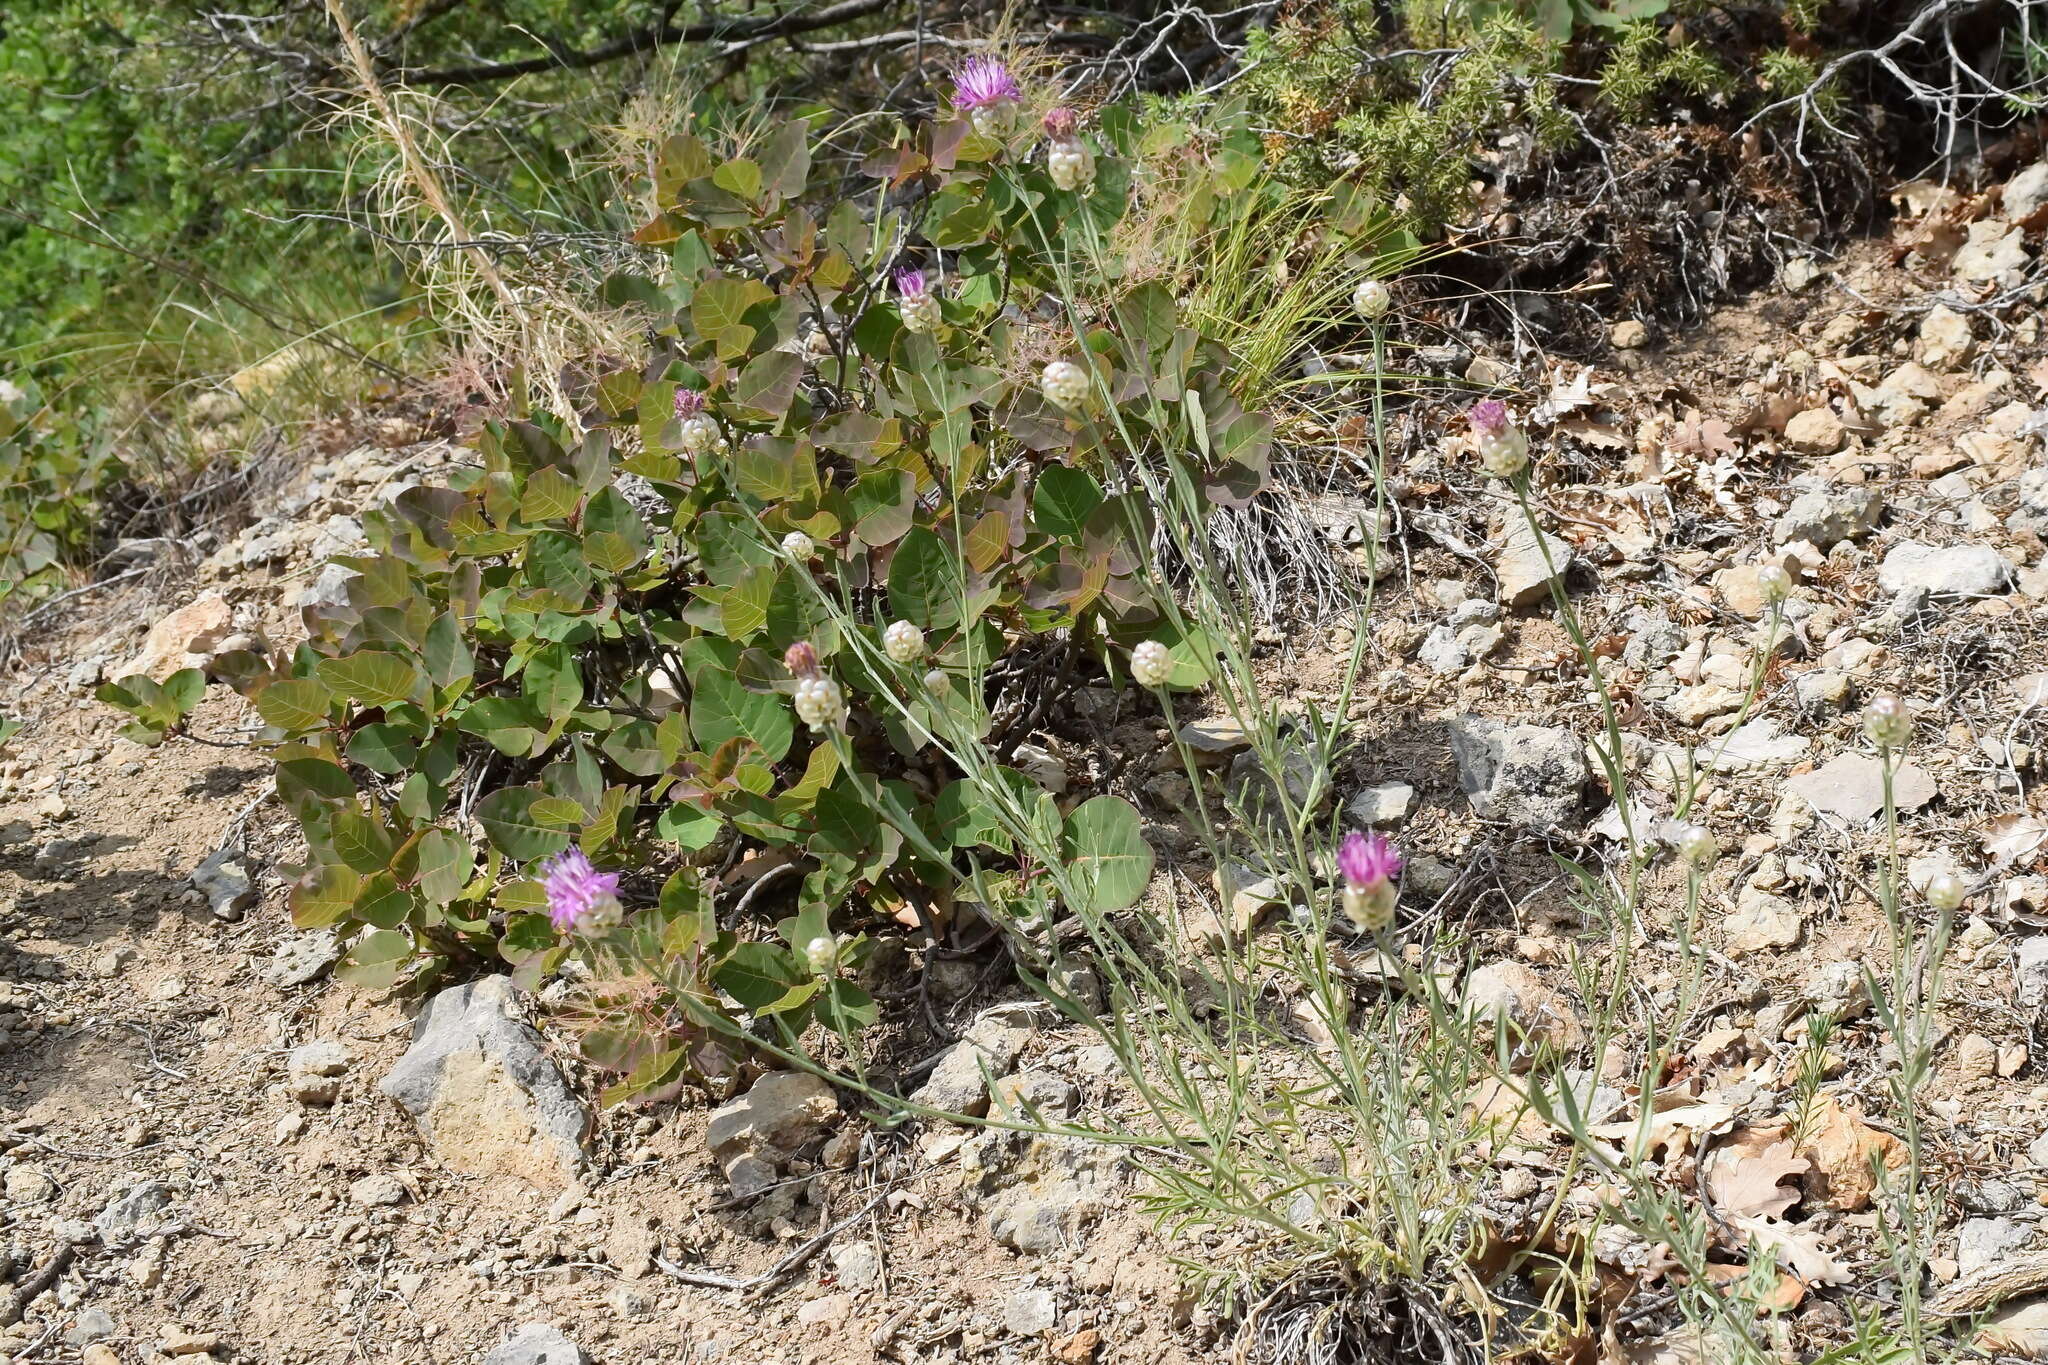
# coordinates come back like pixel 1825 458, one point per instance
pixel 224 879
pixel 486 1096
pixel 538 1343
pixel 1945 570
pixel 1528 775
pixel 959 1083
pixel 184 639
pixel 1514 993
pixel 1384 805
pixel 1523 572
pixel 1762 920
pixel 1945 339
pixel 1816 431
pixel 1826 516
pixel 1993 250
pixel 755 1134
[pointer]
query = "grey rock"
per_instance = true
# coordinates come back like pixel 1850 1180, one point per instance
pixel 1041 1192
pixel 1526 775
pixel 131 1215
pixel 2031 965
pixel 224 878
pixel 2037 1152
pixel 1521 567
pixel 754 1135
pixel 1255 791
pixel 1761 920
pixel 1514 993
pixel 1945 570
pixel 378 1191
pixel 326 1057
pixel 538 1343
pixel 1822 691
pixel 1035 1093
pixel 301 960
pixel 1475 611
pixel 1031 1312
pixel 858 1265
pixel 329 587
pixel 959 1083
pixel 1384 805
pixel 2031 515
pixel 1441 653
pixel 1827 516
pixel 1984 1241
pixel 487 1098
pixel 85 675
pixel 2026 193
pixel 90 1326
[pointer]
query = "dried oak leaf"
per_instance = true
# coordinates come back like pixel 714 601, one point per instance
pixel 1705 436
pixel 1674 1129
pixel 1746 1175
pixel 1785 1296
pixel 1841 1147
pixel 1797 1249
pixel 2009 839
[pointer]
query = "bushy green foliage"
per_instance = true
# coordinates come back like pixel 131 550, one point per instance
pixel 582 642
pixel 1419 110
pixel 53 468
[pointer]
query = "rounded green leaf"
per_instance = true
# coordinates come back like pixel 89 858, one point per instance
pixel 1111 864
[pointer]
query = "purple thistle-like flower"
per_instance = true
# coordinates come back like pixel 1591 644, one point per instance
pixel 1061 123
pixel 689 402
pixel 1367 860
pixel 576 890
pixel 983 81
pixel 910 283
pixel 1488 417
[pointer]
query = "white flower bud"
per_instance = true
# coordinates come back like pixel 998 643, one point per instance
pixel 1151 665
pixel 1070 164
pixel 699 434
pixel 1064 383
pixel 1945 891
pixel 1372 299
pixel 819 703
pixel 1371 908
pixel 938 681
pixel 920 312
pixel 822 954
pixel 799 546
pixel 903 642
pixel 1888 723
pixel 1774 583
pixel 1696 845
pixel 1504 454
pixel 996 119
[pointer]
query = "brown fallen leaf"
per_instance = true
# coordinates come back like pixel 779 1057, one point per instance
pixel 1797 1248
pixel 1841 1147
pixel 1746 1175
pixel 1673 1132
pixel 2010 838
pixel 1783 1297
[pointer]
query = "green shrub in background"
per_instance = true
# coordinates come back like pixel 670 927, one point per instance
pixel 54 467
pixel 1413 110
pixel 582 643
